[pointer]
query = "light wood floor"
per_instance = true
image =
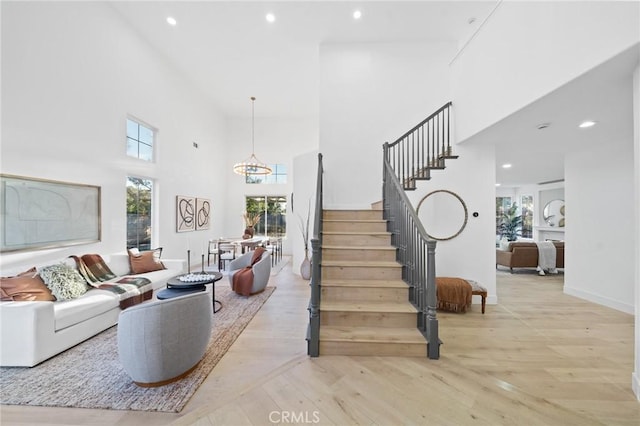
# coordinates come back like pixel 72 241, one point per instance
pixel 539 357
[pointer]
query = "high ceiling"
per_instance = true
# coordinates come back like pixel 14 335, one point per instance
pixel 230 52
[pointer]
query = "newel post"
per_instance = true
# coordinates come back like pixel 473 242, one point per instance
pixel 314 304
pixel 433 347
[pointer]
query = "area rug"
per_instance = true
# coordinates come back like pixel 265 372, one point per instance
pixel 89 375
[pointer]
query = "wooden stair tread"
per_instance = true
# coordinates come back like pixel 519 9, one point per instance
pixel 363 306
pixel 377 248
pixel 365 283
pixel 362 263
pixel 384 233
pixel 371 334
pixel 355 220
pixel 346 210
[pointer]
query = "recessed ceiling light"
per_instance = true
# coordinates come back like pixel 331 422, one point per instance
pixel 357 14
pixel 171 21
pixel 506 166
pixel 587 123
pixel 498 184
pixel 543 126
pixel 270 17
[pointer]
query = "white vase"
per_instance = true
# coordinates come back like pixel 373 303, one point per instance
pixel 305 266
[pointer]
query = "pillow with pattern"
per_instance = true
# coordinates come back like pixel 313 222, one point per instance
pixel 65 282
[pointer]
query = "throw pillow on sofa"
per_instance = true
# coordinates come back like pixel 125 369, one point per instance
pixel 145 261
pixel 26 286
pixel 65 282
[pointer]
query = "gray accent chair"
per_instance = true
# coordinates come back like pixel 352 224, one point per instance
pixel 261 270
pixel 162 341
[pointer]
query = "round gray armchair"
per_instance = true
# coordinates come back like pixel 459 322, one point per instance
pixel 162 341
pixel 260 271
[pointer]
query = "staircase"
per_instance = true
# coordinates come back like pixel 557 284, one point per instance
pixel 365 308
pixel 373 282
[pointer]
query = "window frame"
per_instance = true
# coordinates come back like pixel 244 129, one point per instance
pixel 151 214
pixel 275 178
pixel 138 140
pixel 264 224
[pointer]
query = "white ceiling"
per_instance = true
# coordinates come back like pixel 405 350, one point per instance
pixel 604 95
pixel 230 52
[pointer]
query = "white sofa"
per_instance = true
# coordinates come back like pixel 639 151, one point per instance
pixel 31 332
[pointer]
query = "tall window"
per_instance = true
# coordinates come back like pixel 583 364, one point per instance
pixel 278 175
pixel 526 203
pixel 273 214
pixel 502 205
pixel 140 140
pixel 139 201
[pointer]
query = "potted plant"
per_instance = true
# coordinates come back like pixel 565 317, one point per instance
pixel 511 224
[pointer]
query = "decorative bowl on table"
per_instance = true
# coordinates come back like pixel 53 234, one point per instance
pixel 190 278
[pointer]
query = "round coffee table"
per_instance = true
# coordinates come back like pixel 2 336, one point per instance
pixel 177 287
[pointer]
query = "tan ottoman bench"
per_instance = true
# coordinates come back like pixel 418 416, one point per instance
pixel 478 290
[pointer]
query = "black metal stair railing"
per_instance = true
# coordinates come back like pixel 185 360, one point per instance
pixel 422 149
pixel 411 158
pixel 416 253
pixel 313 330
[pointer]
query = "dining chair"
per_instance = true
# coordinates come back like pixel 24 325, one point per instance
pixel 275 248
pixel 248 246
pixel 226 253
pixel 213 250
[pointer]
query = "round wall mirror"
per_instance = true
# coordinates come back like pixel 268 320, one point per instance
pixel 443 214
pixel 553 213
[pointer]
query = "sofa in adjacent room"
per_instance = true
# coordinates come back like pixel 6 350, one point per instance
pixel 35 327
pixel 522 254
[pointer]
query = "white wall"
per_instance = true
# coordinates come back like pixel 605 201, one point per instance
pixel 600 255
pixel 71 74
pixel 305 172
pixel 527 49
pixel 636 136
pixel 277 140
pixel 371 93
pixel 472 253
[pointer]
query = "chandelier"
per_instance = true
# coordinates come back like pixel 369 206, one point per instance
pixel 252 166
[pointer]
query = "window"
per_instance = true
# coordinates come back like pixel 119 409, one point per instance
pixel 526 203
pixel 278 175
pixel 273 214
pixel 139 201
pixel 502 206
pixel 140 140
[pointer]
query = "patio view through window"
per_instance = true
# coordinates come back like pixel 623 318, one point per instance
pixel 139 202
pixel 273 214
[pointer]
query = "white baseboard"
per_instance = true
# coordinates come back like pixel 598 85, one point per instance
pixel 601 300
pixel 635 384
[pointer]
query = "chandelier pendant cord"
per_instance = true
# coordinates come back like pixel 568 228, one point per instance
pixel 253 125
pixel 252 166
